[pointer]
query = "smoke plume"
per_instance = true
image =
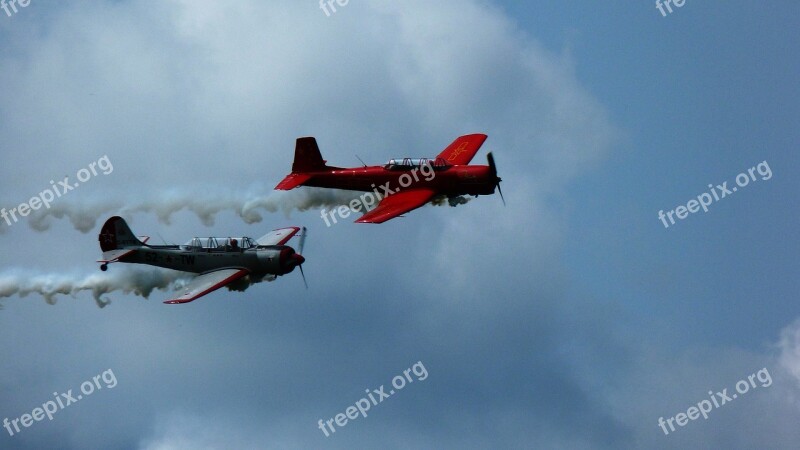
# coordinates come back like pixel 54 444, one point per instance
pixel 84 213
pixel 442 200
pixel 127 280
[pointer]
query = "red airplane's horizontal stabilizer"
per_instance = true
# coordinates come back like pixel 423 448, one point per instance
pixel 292 181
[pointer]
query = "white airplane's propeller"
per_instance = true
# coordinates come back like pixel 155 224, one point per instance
pixel 303 274
pixel 302 240
pixel 300 252
pixel 497 180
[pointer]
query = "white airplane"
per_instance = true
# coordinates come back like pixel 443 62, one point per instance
pixel 233 262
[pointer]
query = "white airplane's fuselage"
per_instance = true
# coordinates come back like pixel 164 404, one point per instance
pixel 261 260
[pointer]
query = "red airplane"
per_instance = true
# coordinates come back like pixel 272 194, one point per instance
pixel 401 185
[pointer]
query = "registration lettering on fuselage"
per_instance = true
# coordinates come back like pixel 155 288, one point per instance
pixel 168 258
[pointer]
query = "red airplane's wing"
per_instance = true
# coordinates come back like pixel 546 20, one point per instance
pixel 463 149
pixel 396 204
pixel 207 282
pixel 278 237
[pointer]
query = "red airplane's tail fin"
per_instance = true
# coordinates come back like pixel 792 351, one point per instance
pixel 115 234
pixel 307 159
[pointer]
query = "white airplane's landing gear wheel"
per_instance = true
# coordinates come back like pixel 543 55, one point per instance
pixel 104 267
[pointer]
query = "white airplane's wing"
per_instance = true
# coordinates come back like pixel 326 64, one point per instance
pixel 207 282
pixel 278 237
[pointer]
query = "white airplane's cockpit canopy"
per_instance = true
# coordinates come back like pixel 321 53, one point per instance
pixel 410 163
pixel 220 243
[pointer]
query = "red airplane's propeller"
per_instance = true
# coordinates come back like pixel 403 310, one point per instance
pixel 497 180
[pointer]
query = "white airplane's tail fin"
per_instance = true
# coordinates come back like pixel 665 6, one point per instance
pixel 116 234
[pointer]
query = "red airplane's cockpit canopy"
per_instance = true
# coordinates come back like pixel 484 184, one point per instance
pixel 220 243
pixel 410 163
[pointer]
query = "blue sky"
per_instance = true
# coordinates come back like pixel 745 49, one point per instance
pixel 701 102
pixel 571 318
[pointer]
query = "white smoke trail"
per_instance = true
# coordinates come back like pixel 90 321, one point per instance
pixel 442 200
pixel 84 214
pixel 128 280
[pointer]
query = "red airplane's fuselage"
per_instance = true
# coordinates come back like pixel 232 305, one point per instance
pixel 449 180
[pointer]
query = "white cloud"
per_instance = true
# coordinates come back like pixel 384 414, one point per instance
pixel 199 95
pixel 789 346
